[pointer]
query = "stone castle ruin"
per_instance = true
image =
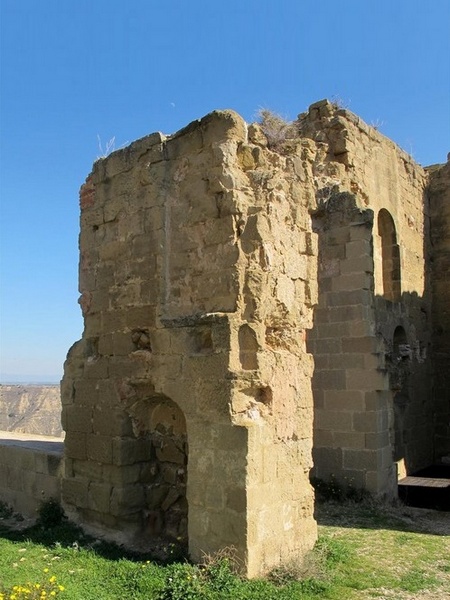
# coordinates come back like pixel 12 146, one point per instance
pixel 254 310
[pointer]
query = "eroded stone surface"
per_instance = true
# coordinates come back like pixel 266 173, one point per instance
pixel 234 292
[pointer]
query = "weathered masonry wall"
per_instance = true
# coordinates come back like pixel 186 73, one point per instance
pixel 30 471
pixel 351 418
pixel 439 197
pixel 371 339
pixel 238 292
pixel 188 404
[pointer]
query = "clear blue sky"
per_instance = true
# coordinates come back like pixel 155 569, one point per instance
pixel 75 69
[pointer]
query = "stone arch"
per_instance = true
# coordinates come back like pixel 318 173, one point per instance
pixel 164 477
pixel 390 256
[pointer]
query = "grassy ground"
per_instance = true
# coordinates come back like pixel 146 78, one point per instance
pixel 365 551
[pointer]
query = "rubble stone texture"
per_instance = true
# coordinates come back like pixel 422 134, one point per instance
pixel 236 288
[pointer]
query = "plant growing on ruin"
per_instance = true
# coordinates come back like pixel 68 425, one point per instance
pixel 339 103
pixel 109 147
pixel 50 513
pixel 276 129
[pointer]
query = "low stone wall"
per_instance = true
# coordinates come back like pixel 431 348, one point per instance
pixel 30 471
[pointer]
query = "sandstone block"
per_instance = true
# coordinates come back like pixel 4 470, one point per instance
pixel 75 445
pixel 126 500
pixel 99 496
pixel 75 492
pixel 99 448
pixel 128 451
pixel 334 420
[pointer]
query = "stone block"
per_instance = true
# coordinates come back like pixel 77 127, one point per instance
pixel 362 379
pixel 352 281
pixel 357 312
pixel 349 297
pixel 85 392
pixel 111 421
pixel 334 420
pixel 378 400
pixel 358 248
pixel 367 344
pixel 99 448
pixel 99 497
pixel 75 445
pixel 128 451
pixel 366 422
pixel 323 438
pixel 97 368
pixel 122 343
pixel 121 475
pixel 78 418
pixel 360 264
pixel 376 441
pixel 328 462
pixel 347 360
pixel 75 492
pixel 360 459
pixel 86 469
pixel 332 330
pixel 325 346
pixel 346 400
pixel 349 440
pixel 330 380
pixel 126 500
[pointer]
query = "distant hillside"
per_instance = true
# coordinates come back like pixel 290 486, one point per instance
pixel 31 409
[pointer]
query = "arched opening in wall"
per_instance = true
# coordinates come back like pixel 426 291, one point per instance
pixel 399 371
pixel 390 256
pixel 165 476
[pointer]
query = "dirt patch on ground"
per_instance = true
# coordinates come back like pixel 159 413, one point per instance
pixel 375 515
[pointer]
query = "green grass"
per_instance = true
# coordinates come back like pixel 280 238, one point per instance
pixel 364 552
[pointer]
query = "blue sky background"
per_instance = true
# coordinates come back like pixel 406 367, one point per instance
pixel 75 69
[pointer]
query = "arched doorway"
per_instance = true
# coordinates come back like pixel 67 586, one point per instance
pixel 164 476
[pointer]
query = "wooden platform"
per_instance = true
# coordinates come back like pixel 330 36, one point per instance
pixel 428 482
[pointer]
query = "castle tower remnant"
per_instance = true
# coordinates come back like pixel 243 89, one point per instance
pixel 187 403
pixel 241 287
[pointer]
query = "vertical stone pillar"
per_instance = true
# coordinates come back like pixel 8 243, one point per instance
pixel 439 198
pixel 351 388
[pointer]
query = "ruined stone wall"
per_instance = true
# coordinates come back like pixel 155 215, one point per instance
pixel 439 197
pixel 373 405
pixel 187 404
pixel 31 468
pixel 224 278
